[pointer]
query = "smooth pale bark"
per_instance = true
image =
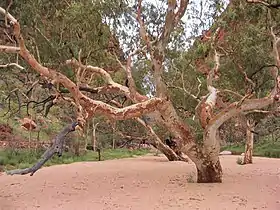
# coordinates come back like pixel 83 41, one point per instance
pixel 207 158
pixel 248 155
pixel 94 127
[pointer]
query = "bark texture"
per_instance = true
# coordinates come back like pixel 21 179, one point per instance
pixel 248 156
pixel 209 172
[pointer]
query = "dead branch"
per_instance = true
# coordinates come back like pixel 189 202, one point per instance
pixel 86 106
pixel 9 49
pixel 56 148
pixel 10 65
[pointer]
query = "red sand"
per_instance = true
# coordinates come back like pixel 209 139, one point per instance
pixel 144 183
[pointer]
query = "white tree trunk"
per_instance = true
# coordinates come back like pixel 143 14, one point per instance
pixel 248 156
pixel 94 126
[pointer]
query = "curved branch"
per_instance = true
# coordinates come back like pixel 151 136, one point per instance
pixel 133 95
pixel 234 109
pixel 132 111
pixel 11 64
pixel 84 103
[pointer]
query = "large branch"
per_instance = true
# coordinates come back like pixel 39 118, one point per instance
pixel 171 20
pixel 132 111
pixel 56 148
pixel 25 54
pixel 206 106
pixel 181 11
pixel 234 109
pixel 83 102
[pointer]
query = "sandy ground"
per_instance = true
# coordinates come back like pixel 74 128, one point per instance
pixel 142 184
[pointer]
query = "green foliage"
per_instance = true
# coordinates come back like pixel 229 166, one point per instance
pixel 12 159
pixel 263 149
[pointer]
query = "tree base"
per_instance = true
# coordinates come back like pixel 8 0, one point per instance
pixel 209 172
pixel 247 160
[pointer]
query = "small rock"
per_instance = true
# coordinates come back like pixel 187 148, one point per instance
pixel 226 153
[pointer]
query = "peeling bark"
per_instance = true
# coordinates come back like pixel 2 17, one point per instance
pixel 209 172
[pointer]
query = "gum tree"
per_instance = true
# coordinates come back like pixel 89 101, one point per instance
pixel 204 152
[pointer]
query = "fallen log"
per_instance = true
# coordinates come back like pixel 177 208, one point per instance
pixel 55 148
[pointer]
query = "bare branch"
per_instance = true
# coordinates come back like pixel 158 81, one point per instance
pixel 134 96
pixel 131 82
pixel 132 111
pixel 8 15
pixel 9 49
pixel 11 64
pixel 185 91
pixel 234 109
pixel 230 91
pixel 85 106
